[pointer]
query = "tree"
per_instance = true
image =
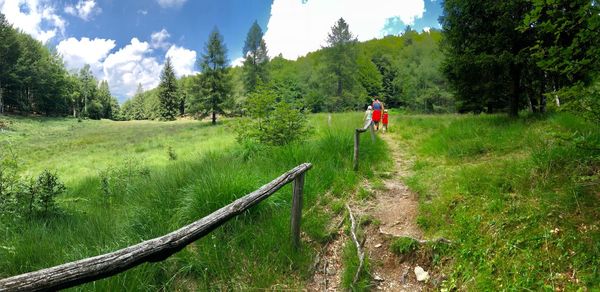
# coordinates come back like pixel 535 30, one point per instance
pixel 87 87
pixel 341 63
pixel 567 46
pixel 167 92
pixel 9 54
pixel 215 84
pixel 106 100
pixel 485 56
pixel 256 58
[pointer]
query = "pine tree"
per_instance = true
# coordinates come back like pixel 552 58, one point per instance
pixel 255 52
pixel 341 62
pixel 215 84
pixel 87 83
pixel 167 92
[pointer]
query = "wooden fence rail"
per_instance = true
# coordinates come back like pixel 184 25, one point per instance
pixel 157 249
pixel 368 126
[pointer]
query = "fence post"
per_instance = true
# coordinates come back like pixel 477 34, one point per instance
pixel 297 209
pixel 356 144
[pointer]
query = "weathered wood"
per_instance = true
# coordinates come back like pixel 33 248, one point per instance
pixel 356 144
pixel 357 132
pixel 157 249
pixel 359 250
pixel 297 209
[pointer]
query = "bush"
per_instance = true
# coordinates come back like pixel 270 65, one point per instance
pixel 26 196
pixel 272 120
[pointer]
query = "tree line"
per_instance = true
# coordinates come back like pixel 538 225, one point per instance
pixel 523 54
pixel 489 57
pixel 34 80
pixel 403 71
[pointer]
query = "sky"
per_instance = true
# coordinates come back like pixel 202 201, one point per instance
pixel 127 41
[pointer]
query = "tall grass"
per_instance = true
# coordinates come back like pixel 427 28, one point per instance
pixel 251 251
pixel 518 196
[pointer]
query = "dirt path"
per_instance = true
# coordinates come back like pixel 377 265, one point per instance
pixel 328 264
pixel 395 207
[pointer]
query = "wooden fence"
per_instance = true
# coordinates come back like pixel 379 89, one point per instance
pixel 368 126
pixel 157 249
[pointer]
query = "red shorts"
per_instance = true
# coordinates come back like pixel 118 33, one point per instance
pixel 376 116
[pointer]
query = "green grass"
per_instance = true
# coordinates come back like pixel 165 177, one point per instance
pixel 150 195
pixel 403 245
pixel 79 149
pixel 519 198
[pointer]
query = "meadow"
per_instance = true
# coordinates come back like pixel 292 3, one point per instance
pixel 124 185
pixel 519 198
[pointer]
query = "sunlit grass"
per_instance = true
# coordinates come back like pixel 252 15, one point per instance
pixel 518 196
pixel 150 195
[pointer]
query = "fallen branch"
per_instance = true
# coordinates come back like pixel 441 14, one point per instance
pixel 361 253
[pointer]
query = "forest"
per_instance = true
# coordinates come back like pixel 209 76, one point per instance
pixel 488 177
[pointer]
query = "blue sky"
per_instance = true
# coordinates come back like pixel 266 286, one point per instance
pixel 127 41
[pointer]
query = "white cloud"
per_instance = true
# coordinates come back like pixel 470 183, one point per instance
pixel 131 65
pixel 426 29
pixel 237 62
pixel 298 27
pixel 84 9
pixel 31 15
pixel 183 60
pixel 77 53
pixel 142 12
pixel 170 3
pixel 159 39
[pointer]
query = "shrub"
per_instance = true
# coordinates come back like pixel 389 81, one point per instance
pixel 26 196
pixel 172 155
pixel 272 120
pixel 44 191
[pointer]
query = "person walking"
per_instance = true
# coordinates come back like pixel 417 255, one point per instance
pixel 369 113
pixel 377 110
pixel 385 120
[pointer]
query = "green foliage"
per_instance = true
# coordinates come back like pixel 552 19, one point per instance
pixel 167 93
pixel 34 80
pixel 486 60
pixel 404 245
pixel 256 59
pixel 272 120
pixel 531 50
pixel 45 190
pixel 215 82
pixel 341 68
pixel 24 197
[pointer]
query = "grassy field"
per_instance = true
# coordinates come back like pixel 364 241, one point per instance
pixel 519 198
pixel 124 187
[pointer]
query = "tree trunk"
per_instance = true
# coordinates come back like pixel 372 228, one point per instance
pixel 1 100
pixel 515 73
pixel 542 95
pixel 532 109
pixel 214 117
